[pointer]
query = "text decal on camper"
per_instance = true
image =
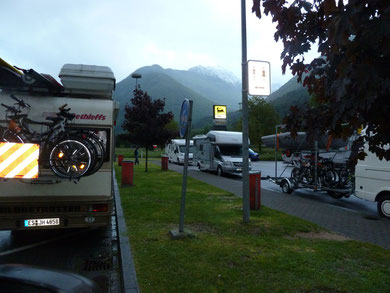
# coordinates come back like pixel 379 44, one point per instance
pixel 90 116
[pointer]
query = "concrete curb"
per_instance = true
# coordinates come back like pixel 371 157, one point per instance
pixel 128 277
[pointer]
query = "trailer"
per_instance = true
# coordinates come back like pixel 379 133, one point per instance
pixel 315 168
pixel 49 201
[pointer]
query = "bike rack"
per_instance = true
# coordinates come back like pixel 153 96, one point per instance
pixel 279 180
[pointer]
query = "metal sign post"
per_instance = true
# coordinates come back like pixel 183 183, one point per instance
pixel 245 146
pixel 185 131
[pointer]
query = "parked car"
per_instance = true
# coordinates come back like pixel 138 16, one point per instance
pixel 253 155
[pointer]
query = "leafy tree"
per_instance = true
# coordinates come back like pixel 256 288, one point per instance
pixel 145 124
pixel 350 80
pixel 173 127
pixel 262 120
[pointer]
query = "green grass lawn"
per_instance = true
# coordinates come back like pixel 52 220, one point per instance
pixel 268 154
pixel 275 252
pixel 128 153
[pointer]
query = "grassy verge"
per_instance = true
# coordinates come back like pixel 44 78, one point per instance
pixel 275 252
pixel 129 153
pixel 268 154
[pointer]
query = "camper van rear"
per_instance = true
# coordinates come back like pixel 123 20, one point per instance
pixel 50 201
pixel 372 181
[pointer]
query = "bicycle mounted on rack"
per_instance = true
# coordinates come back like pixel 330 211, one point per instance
pixel 70 153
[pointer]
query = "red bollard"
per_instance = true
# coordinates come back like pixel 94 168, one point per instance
pixel 255 190
pixel 164 163
pixel 120 159
pixel 127 173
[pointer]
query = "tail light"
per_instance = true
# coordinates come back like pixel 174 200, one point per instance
pixel 100 208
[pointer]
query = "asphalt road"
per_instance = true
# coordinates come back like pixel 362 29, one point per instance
pixel 267 168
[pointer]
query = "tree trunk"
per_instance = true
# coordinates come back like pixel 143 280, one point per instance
pixel 146 161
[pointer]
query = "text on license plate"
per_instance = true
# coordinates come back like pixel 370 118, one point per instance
pixel 42 222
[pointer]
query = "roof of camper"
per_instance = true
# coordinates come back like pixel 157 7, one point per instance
pixel 181 141
pixel 225 137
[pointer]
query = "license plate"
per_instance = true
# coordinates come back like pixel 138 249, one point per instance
pixel 239 170
pixel 42 222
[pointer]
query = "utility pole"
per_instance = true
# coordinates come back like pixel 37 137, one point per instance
pixel 245 146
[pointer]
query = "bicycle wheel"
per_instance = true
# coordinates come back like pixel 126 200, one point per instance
pixel 295 174
pixel 70 159
pixel 9 136
pixel 330 178
pixel 97 147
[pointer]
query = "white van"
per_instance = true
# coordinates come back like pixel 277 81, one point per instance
pixel 372 181
pixel 49 201
pixel 219 151
pixel 175 150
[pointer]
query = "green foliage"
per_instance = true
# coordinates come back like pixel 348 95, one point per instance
pixel 350 80
pixel 173 127
pixel 262 120
pixel 275 252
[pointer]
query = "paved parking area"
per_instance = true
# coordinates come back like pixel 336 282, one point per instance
pixel 363 225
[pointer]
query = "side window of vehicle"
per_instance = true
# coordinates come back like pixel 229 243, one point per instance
pixel 201 147
pixel 217 154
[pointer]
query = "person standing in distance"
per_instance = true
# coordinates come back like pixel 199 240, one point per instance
pixel 136 156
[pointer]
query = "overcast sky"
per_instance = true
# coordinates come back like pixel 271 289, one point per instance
pixel 128 34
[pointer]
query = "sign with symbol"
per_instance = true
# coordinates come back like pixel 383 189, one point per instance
pixel 219 112
pixel 259 78
pixel 185 106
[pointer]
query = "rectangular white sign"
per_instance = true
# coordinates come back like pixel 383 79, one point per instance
pixel 259 78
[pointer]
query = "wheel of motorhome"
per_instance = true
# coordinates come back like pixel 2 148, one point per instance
pixel 286 188
pixel 384 206
pixel 219 171
pixel 70 159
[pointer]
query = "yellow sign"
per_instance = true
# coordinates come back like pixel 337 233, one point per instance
pixel 19 160
pixel 220 111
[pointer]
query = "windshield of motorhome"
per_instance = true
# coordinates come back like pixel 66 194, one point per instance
pixel 183 149
pixel 230 150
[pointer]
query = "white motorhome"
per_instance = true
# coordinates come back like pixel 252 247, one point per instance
pixel 51 202
pixel 219 151
pixel 176 149
pixel 372 181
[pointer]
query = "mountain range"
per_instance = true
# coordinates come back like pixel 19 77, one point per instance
pixel 206 86
pixel 289 94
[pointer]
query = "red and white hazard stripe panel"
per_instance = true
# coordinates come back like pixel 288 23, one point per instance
pixel 19 160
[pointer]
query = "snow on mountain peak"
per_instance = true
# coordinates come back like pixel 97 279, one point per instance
pixel 217 72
